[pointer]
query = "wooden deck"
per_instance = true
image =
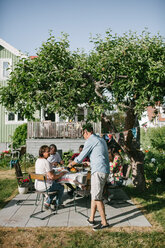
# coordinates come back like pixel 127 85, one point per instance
pixel 48 129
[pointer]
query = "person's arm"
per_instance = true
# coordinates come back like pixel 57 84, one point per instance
pixel 85 152
pixel 61 162
pixel 72 164
pixel 53 176
pixel 54 164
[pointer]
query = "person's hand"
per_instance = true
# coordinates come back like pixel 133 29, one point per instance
pixel 55 164
pixel 70 165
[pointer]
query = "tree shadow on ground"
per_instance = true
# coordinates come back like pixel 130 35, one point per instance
pixel 153 198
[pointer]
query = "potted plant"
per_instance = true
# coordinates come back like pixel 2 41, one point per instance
pixel 23 185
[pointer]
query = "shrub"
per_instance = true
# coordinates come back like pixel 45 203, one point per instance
pixel 66 156
pixel 153 144
pixel 154 165
pixel 5 158
pixel 20 136
pixel 27 160
pixel 153 138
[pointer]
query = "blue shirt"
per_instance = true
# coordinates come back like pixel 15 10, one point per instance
pixel 96 149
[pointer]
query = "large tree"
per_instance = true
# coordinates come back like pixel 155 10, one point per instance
pixel 122 72
pixel 128 74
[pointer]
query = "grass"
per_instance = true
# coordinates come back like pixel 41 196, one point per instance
pixel 7 190
pixel 151 203
pixel 79 238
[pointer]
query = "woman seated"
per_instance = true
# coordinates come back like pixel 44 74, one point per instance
pixel 42 166
pixel 116 172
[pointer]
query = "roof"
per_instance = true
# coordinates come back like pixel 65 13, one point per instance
pixel 33 57
pixel 11 49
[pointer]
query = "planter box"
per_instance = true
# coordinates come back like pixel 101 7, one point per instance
pixel 23 190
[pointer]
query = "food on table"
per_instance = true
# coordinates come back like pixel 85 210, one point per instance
pixel 73 170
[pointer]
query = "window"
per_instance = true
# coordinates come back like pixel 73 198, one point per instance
pixel 5 68
pixel 12 118
pixel 49 116
pixel 20 117
pixel 80 114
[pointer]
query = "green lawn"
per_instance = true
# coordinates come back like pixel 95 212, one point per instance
pixel 7 188
pixel 152 201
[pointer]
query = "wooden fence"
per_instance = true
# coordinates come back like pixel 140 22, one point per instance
pixel 48 129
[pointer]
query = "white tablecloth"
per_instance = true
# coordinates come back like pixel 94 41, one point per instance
pixel 71 177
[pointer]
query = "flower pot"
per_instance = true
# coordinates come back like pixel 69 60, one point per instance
pixel 22 190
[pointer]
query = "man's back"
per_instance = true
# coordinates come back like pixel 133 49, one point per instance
pixel 99 154
pixel 96 149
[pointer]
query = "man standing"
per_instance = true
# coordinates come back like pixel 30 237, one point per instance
pixel 96 149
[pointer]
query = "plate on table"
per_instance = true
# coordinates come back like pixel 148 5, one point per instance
pixel 60 169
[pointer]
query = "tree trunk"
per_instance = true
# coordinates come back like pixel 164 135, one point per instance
pixel 132 148
pixel 138 175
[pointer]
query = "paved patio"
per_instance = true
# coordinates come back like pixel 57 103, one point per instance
pixel 120 212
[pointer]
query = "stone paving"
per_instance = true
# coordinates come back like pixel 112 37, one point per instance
pixel 120 212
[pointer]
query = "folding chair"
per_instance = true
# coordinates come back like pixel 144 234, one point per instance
pixel 43 193
pixel 83 189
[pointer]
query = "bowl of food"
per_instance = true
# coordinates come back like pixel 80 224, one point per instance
pixel 73 170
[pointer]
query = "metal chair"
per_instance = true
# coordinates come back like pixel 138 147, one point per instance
pixel 83 190
pixel 43 193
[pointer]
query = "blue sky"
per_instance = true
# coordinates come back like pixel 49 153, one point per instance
pixel 25 24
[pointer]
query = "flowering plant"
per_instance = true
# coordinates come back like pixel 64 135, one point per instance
pixel 153 160
pixel 23 182
pixel 4 153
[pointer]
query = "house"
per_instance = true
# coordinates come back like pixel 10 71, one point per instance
pixel 9 121
pixel 51 128
pixel 149 119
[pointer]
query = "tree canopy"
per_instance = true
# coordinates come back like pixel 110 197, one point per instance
pixel 124 71
pixel 131 69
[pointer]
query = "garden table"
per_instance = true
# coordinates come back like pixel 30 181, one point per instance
pixel 71 177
